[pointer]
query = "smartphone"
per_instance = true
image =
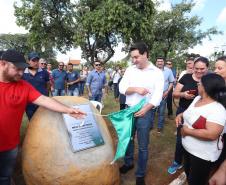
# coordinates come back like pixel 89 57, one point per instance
pixel 192 92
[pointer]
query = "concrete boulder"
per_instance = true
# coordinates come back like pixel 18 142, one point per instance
pixel 47 156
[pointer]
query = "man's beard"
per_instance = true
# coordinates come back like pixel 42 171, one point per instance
pixel 9 78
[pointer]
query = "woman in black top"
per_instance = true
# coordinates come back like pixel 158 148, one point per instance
pixel 183 91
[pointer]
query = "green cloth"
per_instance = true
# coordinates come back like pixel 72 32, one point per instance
pixel 124 123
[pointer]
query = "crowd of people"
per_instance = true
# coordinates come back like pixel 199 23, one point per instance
pixel 200 116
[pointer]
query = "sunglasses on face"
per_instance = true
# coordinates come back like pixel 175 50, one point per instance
pixel 61 65
pixel 97 64
pixel 168 64
pixel 43 63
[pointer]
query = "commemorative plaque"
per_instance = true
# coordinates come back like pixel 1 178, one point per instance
pixel 83 133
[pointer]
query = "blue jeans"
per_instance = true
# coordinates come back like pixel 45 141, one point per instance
pixel 96 97
pixel 73 92
pixel 161 112
pixel 59 92
pixel 81 87
pixel 7 164
pixel 143 129
pixel 179 147
pixel 30 110
pixel 116 92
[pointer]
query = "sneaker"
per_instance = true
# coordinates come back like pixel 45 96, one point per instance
pixel 140 181
pixel 124 169
pixel 160 130
pixel 172 169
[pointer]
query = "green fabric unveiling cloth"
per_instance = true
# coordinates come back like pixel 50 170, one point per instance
pixel 124 123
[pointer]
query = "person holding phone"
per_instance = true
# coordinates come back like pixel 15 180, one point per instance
pixel 202 139
pixel 116 75
pixel 187 83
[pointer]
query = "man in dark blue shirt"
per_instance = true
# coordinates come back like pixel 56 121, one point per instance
pixel 60 81
pixel 73 78
pixel 169 99
pixel 38 78
pixel 96 79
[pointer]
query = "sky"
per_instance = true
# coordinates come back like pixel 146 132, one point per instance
pixel 213 13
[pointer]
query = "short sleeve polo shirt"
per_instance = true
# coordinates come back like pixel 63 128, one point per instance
pixel 59 79
pixel 38 81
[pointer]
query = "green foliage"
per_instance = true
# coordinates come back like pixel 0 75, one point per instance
pixel 96 26
pixel 21 42
pixel 77 69
pixel 49 22
pixel 176 30
pixel 54 63
pixel 18 42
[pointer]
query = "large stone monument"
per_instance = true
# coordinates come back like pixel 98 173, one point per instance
pixel 48 158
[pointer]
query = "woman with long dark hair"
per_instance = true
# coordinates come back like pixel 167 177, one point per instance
pixel 186 90
pixel 204 121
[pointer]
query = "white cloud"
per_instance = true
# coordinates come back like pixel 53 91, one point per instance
pixel 222 17
pixel 8 20
pixel 164 6
pixel 207 48
pixel 199 5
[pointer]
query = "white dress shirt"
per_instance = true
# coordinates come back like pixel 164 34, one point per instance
pixel 151 78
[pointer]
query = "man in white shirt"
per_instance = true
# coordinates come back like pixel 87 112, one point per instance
pixel 116 75
pixel 140 81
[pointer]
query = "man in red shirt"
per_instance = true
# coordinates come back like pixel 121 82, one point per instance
pixel 15 93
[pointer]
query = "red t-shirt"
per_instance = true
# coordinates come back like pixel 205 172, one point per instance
pixel 14 97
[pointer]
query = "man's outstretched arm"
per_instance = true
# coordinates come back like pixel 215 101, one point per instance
pixel 56 106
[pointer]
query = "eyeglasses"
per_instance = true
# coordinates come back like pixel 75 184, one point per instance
pixel 97 64
pixel 43 63
pixel 168 64
pixel 61 65
pixel 199 83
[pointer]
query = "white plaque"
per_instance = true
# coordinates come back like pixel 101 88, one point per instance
pixel 83 133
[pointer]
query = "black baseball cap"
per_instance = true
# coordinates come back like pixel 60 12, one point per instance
pixel 15 57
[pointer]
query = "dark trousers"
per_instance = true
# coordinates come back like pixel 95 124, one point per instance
pixel 169 103
pixel 116 92
pixel 122 106
pixel 179 147
pixel 196 169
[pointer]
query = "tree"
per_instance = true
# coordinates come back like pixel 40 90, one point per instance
pixel 179 61
pixel 21 42
pixel 175 30
pixel 111 64
pixel 18 42
pixel 96 26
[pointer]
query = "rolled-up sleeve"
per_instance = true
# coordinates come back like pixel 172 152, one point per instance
pixel 88 79
pixel 171 77
pixel 156 98
pixel 105 81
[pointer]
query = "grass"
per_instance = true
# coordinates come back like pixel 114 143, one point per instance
pixel 161 149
